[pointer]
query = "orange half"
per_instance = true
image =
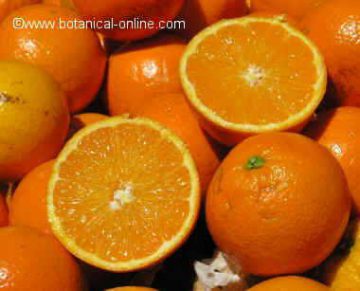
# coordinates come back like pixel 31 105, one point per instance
pixel 124 194
pixel 252 75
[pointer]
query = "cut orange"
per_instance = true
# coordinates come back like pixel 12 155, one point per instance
pixel 252 75
pixel 124 194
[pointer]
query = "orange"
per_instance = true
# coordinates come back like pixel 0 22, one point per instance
pixel 142 71
pixel 198 14
pixel 270 208
pixel 34 119
pixel 173 111
pixel 28 204
pixel 139 12
pixel 132 288
pixel 3 210
pixel 252 75
pixel 295 8
pixel 334 27
pixel 339 131
pixel 74 57
pixel 31 260
pixel 124 194
pixel 7 6
pixel 289 283
pixel 79 121
pixel 342 272
pixel 64 3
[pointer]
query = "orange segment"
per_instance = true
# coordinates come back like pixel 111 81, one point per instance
pixel 124 194
pixel 251 75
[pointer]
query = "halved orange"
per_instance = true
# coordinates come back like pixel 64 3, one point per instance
pixel 124 194
pixel 252 75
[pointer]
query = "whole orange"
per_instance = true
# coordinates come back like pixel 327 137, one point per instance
pixel 142 71
pixel 339 131
pixel 7 6
pixel 334 27
pixel 146 16
pixel 74 57
pixel 3 210
pixel 295 8
pixel 278 204
pixel 34 119
pixel 290 283
pixel 31 260
pixel 199 14
pixel 28 204
pixel 173 111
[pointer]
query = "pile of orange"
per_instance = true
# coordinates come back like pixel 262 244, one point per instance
pixel 138 138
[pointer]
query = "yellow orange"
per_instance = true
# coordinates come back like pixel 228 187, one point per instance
pixel 34 119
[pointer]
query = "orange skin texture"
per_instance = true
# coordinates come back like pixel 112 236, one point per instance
pixel 120 10
pixel 7 6
pixel 28 204
pixel 64 3
pixel 143 71
pixel 34 119
pixel 339 131
pixel 289 283
pixel 173 111
pixel 199 14
pixel 3 210
pixel 31 260
pixel 333 28
pixel 74 57
pixel 295 8
pixel 282 217
pixel 79 121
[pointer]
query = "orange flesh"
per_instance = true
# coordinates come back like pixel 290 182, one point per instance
pixel 123 192
pixel 247 76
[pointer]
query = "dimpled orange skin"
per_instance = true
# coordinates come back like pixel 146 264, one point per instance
pixel 28 204
pixel 278 215
pixel 64 3
pixel 339 131
pixel 288 284
pixel 7 6
pixel 122 10
pixel 142 72
pixel 74 57
pixel 199 14
pixel 31 260
pixel 34 119
pixel 3 210
pixel 295 8
pixel 334 28
pixel 173 111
